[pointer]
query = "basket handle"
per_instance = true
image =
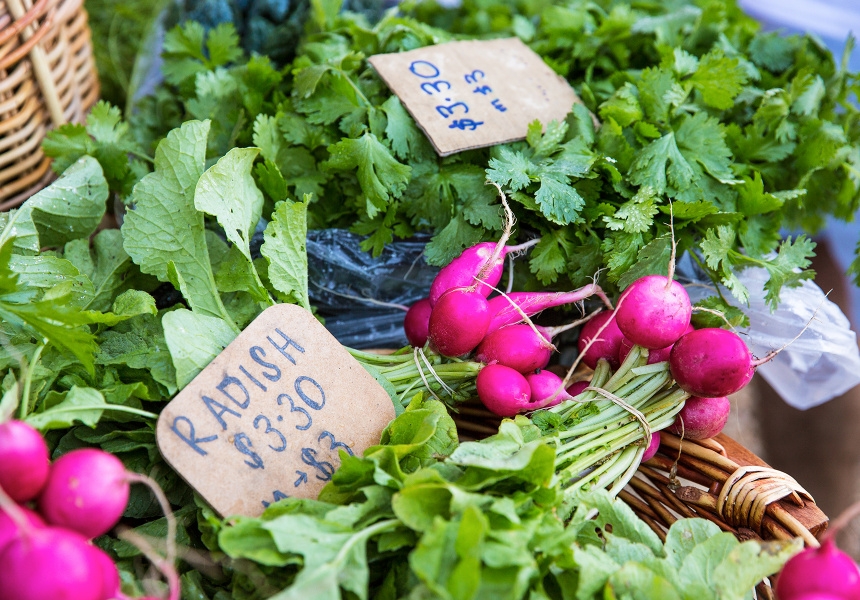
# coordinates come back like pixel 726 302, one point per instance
pixel 40 66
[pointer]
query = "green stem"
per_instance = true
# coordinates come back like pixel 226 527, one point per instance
pixel 24 406
pixel 363 537
pixel 354 86
pixel 116 407
pixel 372 358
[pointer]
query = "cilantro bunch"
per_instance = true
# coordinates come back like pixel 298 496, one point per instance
pixel 744 132
pixel 698 121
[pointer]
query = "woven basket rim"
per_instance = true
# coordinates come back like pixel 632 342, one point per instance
pixel 47 78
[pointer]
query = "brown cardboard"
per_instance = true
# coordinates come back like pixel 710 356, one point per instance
pixel 270 413
pixel 475 93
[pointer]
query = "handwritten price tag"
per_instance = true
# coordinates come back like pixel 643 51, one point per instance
pixel 473 94
pixel 266 419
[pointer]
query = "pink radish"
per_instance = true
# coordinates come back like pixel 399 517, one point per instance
pixel 24 460
pixel 509 309
pixel 87 491
pixel 654 311
pixel 577 387
pixel 702 417
pixel 9 529
pixel 110 575
pixel 825 570
pixel 483 262
pixel 546 389
pixel 600 338
pixel 652 448
pixel 712 362
pixel 417 322
pixel 517 346
pixel 53 563
pixel 504 391
pixel 654 355
pixel 458 321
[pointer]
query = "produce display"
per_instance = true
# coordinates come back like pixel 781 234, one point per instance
pixel 174 224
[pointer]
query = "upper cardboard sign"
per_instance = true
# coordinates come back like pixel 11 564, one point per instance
pixel 473 94
pixel 266 419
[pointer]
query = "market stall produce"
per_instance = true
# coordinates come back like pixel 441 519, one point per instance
pixel 174 227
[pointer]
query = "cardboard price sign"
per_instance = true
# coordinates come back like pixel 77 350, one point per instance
pixel 472 94
pixel 266 419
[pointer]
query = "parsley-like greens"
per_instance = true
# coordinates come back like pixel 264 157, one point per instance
pixel 731 133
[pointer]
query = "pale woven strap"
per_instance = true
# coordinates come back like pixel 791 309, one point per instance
pixel 748 491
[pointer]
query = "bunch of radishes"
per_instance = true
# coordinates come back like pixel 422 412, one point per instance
pixel 458 318
pixel 653 312
pixel 45 551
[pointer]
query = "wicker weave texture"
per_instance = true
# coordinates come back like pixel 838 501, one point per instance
pixel 47 78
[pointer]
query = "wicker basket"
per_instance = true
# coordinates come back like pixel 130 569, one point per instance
pixel 47 78
pixel 720 480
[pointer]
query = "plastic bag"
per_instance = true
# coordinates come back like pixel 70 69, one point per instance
pixel 824 362
pixel 358 294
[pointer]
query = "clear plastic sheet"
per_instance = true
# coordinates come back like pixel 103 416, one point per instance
pixel 824 362
pixel 356 293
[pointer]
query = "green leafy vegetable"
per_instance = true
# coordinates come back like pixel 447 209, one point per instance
pixel 284 247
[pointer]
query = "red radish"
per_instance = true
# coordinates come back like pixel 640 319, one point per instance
pixel 654 311
pixel 483 262
pixel 702 417
pixel 600 338
pixel 546 389
pixel 462 271
pixel 87 491
pixel 110 575
pixel 712 362
pixel 9 529
pixel 517 346
pixel 50 562
pixel 417 322
pixel 577 387
pixel 24 460
pixel 458 322
pixel 825 571
pixel 817 596
pixel 504 391
pixel 655 355
pixel 509 309
pixel 652 448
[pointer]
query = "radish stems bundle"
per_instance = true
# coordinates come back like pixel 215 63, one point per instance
pixel 449 379
pixel 599 436
pixel 603 449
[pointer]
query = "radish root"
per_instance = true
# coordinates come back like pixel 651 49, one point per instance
pixel 11 508
pixel 554 331
pixel 506 234
pixel 420 353
pixel 166 567
pixel 718 313
pixel 525 317
pixel 772 354
pixel 170 542
pixel 840 522
pixel 566 380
